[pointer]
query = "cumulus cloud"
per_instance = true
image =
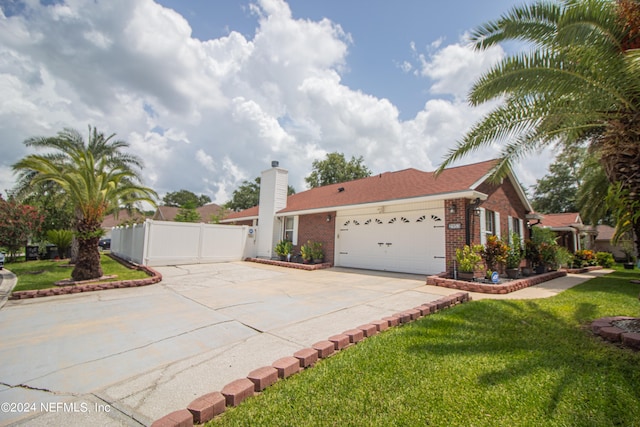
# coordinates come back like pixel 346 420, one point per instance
pixel 207 115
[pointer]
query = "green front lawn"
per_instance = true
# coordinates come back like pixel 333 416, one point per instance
pixel 482 363
pixel 43 274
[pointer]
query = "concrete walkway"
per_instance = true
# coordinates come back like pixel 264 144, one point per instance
pixel 126 357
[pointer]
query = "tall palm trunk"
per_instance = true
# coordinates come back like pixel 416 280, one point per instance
pixel 88 261
pixel 620 149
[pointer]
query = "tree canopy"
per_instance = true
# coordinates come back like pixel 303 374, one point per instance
pixel 579 83
pixel 184 198
pixel 18 222
pixel 335 169
pixel 556 192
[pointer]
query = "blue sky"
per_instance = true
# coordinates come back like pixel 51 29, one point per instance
pixel 209 92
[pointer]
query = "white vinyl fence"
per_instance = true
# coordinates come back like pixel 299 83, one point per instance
pixel 156 243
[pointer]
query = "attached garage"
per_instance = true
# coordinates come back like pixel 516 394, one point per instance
pixel 408 238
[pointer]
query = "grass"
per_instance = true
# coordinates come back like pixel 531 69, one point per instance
pixel 483 363
pixel 43 274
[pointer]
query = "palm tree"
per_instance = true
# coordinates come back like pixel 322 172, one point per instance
pixel 95 177
pixel 579 84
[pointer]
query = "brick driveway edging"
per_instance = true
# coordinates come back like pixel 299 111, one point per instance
pixel 206 407
pixel 79 287
pixel 484 288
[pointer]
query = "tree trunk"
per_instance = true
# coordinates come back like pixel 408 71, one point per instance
pixel 88 260
pixel 620 151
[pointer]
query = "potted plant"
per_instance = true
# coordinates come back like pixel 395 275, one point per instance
pixel 469 261
pixel 627 249
pixel 305 252
pixel 283 249
pixel 316 252
pixel 494 253
pixel 514 257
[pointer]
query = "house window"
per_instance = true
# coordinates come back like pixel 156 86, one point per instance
pixel 489 222
pixel 515 226
pixel 288 228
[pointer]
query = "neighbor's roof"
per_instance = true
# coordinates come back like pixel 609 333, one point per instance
pixel 560 220
pixel 168 213
pixel 111 220
pixel 388 186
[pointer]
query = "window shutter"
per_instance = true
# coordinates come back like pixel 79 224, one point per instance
pixel 521 232
pixel 496 225
pixel 296 220
pixel 483 226
pixel 510 226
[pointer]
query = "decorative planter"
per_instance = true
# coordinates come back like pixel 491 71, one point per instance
pixel 318 260
pixel 467 275
pixel 513 273
pixel 541 269
pixel 629 265
pixel 526 272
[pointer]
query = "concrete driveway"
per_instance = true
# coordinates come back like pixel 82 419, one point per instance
pixel 129 356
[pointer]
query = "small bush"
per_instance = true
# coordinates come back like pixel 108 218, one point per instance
pixel 605 259
pixel 584 258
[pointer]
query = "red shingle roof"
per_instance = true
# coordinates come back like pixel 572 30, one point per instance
pixel 566 219
pixel 168 213
pixel 404 184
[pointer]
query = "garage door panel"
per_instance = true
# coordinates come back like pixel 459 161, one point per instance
pixel 408 242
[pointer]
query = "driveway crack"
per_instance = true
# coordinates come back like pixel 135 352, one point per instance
pixel 46 390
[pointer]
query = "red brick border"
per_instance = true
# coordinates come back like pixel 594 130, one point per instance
pixel 91 287
pixel 295 265
pixel 240 389
pixel 605 328
pixel 485 288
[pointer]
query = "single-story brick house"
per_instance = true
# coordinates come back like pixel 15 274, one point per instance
pixel 406 221
pixel 572 233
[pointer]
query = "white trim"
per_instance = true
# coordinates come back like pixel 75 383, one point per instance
pixel 471 195
pixel 483 226
pixel 294 237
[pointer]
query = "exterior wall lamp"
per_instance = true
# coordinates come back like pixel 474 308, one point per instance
pixel 329 218
pixel 453 208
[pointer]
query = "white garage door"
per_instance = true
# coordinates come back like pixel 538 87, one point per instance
pixel 410 242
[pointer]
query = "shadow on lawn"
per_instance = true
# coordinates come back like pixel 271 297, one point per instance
pixel 541 348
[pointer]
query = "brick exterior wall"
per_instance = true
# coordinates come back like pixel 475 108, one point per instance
pixel 316 228
pixel 502 198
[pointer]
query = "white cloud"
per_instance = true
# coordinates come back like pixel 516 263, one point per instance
pixel 206 115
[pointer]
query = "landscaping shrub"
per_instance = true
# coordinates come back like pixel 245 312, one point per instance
pixel 584 258
pixel 494 253
pixel 605 259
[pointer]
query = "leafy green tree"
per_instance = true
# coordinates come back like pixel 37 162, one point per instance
pixel 556 191
pixel 248 195
pixel 18 222
pixel 188 213
pixel 580 83
pixel 50 201
pixel 183 197
pixel 334 169
pixel 96 177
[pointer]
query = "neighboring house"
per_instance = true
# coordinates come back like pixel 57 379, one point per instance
pixel 405 221
pixel 168 213
pixel 123 216
pixel 603 242
pixel 572 233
